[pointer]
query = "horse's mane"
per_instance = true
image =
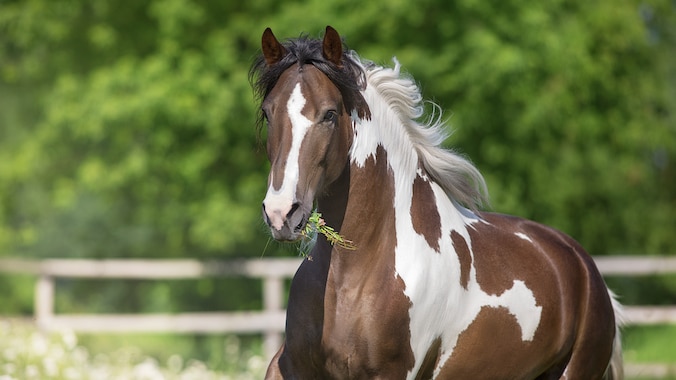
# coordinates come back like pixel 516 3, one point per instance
pixel 459 178
pixel 454 173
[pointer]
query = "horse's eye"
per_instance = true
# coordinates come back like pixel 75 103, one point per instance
pixel 330 117
pixel 265 116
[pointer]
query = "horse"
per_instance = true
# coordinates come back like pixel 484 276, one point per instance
pixel 433 287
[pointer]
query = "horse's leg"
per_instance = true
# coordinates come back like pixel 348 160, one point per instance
pixel 597 353
pixel 273 371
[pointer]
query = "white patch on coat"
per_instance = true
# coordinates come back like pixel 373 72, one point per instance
pixel 278 202
pixel 448 313
pixel 523 236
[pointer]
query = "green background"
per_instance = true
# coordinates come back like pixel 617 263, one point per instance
pixel 127 127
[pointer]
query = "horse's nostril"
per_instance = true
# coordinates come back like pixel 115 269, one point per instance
pixel 294 207
pixel 300 226
pixel 265 216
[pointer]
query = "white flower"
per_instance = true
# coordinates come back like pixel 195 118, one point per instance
pixel 32 372
pixel 71 373
pixel 69 339
pixel 231 346
pixel 27 354
pixel 147 370
pixel 50 366
pixel 9 368
pixel 256 364
pixel 175 363
pixel 38 344
pixel 9 354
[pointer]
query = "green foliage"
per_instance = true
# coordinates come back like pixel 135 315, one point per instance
pixel 575 117
pixel 126 128
pixel 150 152
pixel 315 226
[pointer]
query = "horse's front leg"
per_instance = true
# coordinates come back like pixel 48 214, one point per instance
pixel 273 372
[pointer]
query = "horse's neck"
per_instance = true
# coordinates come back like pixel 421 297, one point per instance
pixel 360 206
pixel 333 203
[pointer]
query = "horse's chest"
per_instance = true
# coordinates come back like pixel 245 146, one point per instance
pixel 367 332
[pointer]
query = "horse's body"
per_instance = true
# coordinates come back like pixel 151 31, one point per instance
pixel 433 289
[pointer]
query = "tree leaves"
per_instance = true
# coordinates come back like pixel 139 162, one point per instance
pixel 138 117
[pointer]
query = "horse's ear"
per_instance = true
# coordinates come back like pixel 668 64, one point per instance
pixel 332 48
pixel 273 51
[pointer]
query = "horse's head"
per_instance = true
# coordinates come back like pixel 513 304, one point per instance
pixel 311 93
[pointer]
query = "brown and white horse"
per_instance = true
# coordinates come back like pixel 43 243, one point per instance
pixel 435 288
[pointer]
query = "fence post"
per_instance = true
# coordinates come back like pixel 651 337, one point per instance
pixel 44 301
pixel 273 290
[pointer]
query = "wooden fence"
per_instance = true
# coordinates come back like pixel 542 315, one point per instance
pixel 273 272
pixel 269 321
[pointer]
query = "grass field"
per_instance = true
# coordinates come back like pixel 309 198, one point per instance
pixel 26 354
pixel 228 354
pixel 650 344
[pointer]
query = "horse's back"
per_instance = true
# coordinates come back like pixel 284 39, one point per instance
pixel 508 248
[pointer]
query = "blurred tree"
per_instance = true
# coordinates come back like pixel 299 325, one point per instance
pixel 563 107
pixel 566 107
pixel 126 128
pixel 145 146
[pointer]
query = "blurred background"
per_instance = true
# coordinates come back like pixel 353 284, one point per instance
pixel 127 131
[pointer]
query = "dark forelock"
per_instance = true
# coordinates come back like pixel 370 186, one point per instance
pixel 349 78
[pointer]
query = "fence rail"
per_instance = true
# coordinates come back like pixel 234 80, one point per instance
pixel 270 321
pixel 273 272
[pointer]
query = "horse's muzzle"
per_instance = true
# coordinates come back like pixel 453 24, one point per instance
pixel 286 224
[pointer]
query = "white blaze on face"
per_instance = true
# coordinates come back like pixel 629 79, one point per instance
pixel 278 202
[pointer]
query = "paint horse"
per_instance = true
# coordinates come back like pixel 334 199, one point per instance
pixel 435 288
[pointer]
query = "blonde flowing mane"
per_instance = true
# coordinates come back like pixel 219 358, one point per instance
pixel 459 178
